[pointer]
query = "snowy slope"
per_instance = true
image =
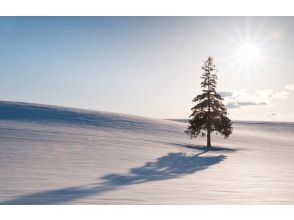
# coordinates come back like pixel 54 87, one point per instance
pixel 55 155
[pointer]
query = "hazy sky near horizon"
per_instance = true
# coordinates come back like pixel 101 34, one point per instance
pixel 149 66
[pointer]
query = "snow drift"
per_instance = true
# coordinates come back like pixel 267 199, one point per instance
pixel 57 155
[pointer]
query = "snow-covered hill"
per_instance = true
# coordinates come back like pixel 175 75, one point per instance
pixel 55 155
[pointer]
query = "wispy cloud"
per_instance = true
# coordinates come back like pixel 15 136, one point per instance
pixel 243 98
pixel 271 115
pixel 225 94
pixel 232 105
pixel 272 94
pixel 290 87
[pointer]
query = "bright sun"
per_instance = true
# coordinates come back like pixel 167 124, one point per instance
pixel 248 53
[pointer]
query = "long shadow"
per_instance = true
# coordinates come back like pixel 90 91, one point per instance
pixel 201 147
pixel 172 165
pixel 211 149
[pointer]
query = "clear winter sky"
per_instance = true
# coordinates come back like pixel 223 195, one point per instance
pixel 149 66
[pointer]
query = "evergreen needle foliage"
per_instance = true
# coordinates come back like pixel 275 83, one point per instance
pixel 209 113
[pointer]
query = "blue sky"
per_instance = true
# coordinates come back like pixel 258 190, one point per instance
pixel 149 66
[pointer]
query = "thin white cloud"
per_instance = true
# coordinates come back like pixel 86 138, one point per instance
pixel 272 115
pixel 243 98
pixel 225 94
pixel 232 105
pixel 290 87
pixel 272 94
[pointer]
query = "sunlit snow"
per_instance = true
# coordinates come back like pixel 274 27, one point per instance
pixel 54 155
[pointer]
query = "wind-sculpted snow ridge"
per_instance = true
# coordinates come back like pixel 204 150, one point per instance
pixel 58 155
pixel 27 112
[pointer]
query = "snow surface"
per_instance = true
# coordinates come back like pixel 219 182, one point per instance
pixel 56 155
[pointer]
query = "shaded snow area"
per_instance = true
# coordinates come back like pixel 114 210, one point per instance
pixel 54 155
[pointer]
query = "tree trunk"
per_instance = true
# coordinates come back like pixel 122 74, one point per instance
pixel 209 120
pixel 208 138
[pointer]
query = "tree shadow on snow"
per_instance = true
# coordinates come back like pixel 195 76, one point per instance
pixel 172 165
pixel 202 148
pixel 205 149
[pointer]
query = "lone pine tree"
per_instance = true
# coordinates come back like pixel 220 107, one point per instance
pixel 209 113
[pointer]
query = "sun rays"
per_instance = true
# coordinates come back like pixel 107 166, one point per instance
pixel 248 53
